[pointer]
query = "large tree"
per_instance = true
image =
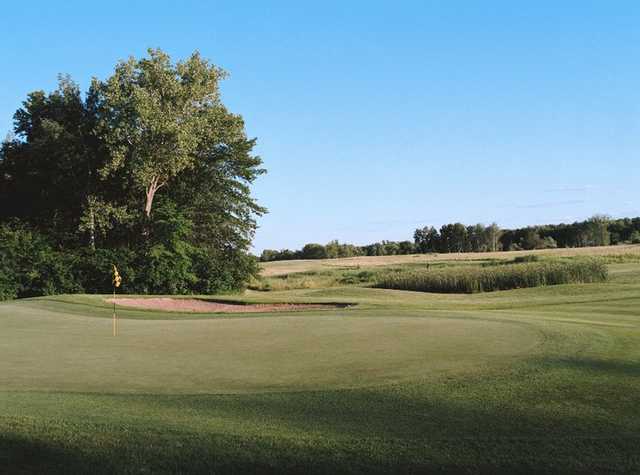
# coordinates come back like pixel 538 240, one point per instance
pixel 86 170
pixel 159 119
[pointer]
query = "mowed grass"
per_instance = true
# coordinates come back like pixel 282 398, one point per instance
pixel 251 354
pixel 522 381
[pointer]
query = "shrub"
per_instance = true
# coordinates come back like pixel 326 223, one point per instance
pixel 93 269
pixel 619 258
pixel 527 258
pixel 487 279
pixel 313 251
pixel 226 272
pixel 361 277
pixel 548 243
pixel 167 264
pixel 31 267
pixel 8 285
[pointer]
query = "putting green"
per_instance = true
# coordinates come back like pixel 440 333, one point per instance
pixel 48 351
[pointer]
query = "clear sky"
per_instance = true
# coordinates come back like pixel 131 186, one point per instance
pixel 375 117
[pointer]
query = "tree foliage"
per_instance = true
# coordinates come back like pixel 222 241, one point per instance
pixel 456 237
pixel 158 119
pixel 148 165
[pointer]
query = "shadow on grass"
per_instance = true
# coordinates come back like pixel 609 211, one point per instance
pixel 136 453
pixel 544 425
pixel 616 367
pixel 244 303
pixel 362 431
pixel 21 455
pixel 150 453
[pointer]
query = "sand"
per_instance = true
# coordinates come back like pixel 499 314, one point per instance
pixel 208 306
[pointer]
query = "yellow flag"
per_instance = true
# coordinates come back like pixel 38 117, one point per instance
pixel 117 280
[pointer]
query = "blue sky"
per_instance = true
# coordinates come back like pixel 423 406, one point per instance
pixel 376 117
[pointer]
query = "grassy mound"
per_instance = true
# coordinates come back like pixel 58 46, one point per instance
pixel 311 351
pixel 486 279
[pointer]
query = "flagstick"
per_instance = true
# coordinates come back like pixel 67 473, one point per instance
pixel 115 321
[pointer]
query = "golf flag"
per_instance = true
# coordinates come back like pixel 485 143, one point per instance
pixel 117 280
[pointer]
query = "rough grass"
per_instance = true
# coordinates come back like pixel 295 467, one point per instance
pixel 559 394
pixel 489 279
pixel 344 276
pixel 317 279
pixel 629 253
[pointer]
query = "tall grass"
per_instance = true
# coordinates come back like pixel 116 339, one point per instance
pixel 487 279
pixel 315 280
pixel 620 258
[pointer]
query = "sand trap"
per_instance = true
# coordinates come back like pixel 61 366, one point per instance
pixel 208 306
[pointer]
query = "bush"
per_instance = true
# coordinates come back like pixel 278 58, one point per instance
pixel 93 269
pixel 8 285
pixel 226 272
pixel 167 264
pixel 361 277
pixel 514 276
pixel 31 267
pixel 527 258
pixel 313 251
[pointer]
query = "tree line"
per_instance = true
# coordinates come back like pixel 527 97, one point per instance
pixel 147 170
pixel 598 230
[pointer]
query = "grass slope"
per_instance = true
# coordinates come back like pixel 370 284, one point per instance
pixel 530 380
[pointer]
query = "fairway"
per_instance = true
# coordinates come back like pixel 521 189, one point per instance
pixel 539 379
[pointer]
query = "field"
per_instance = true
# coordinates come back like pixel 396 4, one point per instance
pixel 287 267
pixel 542 379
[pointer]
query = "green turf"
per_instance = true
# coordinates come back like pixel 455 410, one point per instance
pixel 524 381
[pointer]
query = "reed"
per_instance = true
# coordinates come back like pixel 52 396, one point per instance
pixel 488 279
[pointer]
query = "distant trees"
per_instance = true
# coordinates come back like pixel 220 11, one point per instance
pixel 598 230
pixel 531 239
pixel 406 247
pixel 335 249
pixel 492 234
pixel 477 238
pixel 453 238
pixel 623 230
pixel 426 239
pixel 314 251
pixel 457 237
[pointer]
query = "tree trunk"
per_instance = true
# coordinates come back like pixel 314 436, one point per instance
pixel 154 186
pixel 147 207
pixel 92 229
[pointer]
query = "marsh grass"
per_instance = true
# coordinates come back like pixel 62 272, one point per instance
pixel 343 276
pixel 627 258
pixel 503 277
